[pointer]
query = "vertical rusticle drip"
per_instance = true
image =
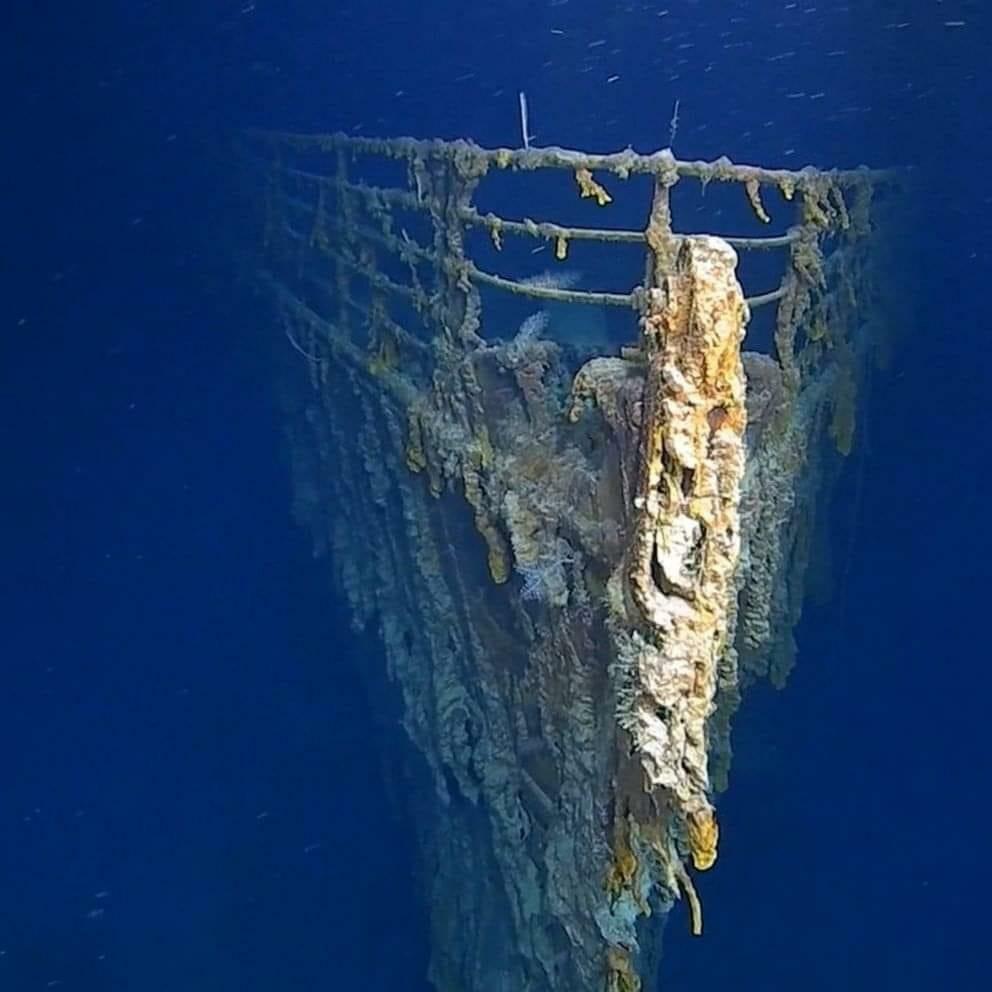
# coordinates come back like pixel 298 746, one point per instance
pixel 685 545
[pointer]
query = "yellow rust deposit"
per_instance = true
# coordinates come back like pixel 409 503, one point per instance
pixel 685 547
pixel 622 871
pixel 704 835
pixel 590 189
pixel 753 189
pixel 497 547
pixel 621 976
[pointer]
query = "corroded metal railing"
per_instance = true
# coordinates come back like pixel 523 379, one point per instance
pixel 353 221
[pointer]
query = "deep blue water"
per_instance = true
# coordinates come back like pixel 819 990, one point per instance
pixel 191 788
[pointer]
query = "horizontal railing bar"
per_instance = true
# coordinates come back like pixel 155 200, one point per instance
pixel 551 293
pixel 531 228
pixel 764 298
pixel 474 158
pixel 579 296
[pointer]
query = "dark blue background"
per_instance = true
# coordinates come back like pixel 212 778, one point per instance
pixel 181 721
